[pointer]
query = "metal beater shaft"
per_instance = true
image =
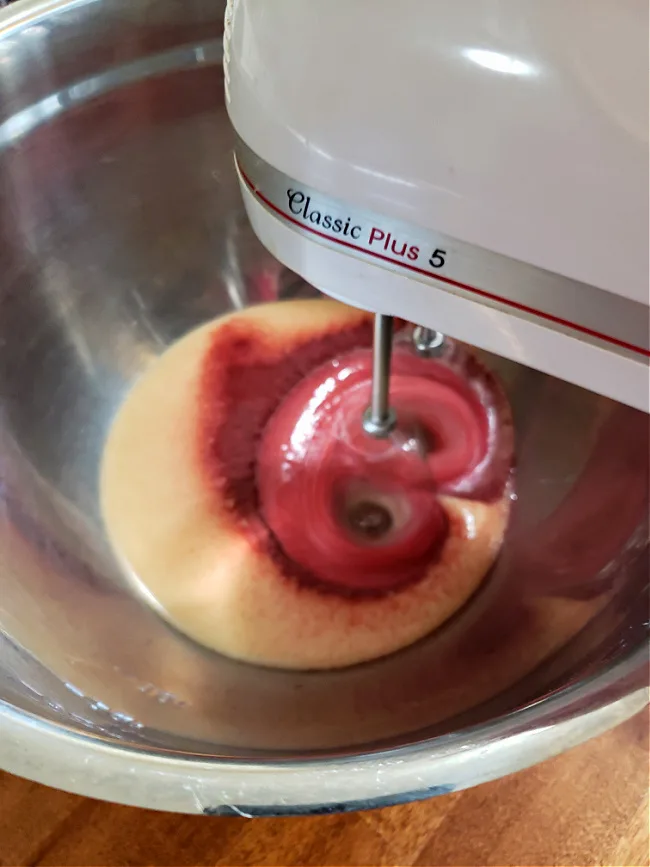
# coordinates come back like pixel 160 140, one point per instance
pixel 379 418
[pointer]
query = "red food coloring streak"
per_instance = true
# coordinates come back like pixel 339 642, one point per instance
pixel 251 386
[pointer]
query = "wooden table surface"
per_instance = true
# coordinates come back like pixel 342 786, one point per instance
pixel 587 807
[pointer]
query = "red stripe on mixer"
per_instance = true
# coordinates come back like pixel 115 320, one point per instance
pixel 516 305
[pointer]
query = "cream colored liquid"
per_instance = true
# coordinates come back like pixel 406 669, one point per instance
pixel 200 569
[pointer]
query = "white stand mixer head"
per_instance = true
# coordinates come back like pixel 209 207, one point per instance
pixel 485 179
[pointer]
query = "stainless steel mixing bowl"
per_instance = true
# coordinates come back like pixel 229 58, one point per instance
pixel 121 227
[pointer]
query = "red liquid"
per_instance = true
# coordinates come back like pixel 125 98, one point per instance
pixel 317 467
pixel 285 448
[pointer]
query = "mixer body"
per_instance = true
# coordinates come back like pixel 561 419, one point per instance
pixel 476 169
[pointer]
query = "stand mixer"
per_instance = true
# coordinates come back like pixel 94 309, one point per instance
pixel 439 166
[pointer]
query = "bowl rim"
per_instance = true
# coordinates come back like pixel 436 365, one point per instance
pixel 85 764
pixel 28 11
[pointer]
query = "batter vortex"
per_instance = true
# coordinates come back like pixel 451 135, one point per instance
pixel 363 515
pixel 243 495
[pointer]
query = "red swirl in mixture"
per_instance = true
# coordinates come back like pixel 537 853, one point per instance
pixel 363 513
pixel 334 507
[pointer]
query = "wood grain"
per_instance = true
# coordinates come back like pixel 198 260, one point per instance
pixel 588 807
